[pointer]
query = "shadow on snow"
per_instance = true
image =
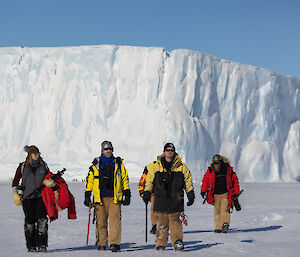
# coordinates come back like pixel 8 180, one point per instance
pixel 130 247
pixel 234 230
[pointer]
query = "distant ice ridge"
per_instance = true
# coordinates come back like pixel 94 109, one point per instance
pixel 66 100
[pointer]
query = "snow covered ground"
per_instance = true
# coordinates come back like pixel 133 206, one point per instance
pixel 268 225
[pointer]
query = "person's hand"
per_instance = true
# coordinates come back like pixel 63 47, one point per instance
pixel 191 197
pixel 17 199
pixel 87 198
pixel 146 197
pixel 127 196
pixel 49 182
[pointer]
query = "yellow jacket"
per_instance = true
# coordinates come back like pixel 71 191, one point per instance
pixel 168 187
pixel 121 180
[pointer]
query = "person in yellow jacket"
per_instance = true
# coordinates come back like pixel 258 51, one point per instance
pixel 167 178
pixel 142 184
pixel 108 180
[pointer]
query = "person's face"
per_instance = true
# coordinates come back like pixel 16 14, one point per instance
pixel 170 152
pixel 217 166
pixel 35 156
pixel 107 152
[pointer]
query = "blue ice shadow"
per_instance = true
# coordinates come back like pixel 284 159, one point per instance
pixel 191 246
pixel 234 230
pixel 255 229
pixel 197 231
pixel 248 241
pixel 70 249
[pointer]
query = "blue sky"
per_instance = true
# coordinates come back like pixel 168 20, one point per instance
pixel 264 33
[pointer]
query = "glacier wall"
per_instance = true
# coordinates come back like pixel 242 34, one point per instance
pixel 67 100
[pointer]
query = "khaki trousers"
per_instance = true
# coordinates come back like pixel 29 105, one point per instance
pixel 166 221
pixel 221 211
pixel 154 218
pixel 112 211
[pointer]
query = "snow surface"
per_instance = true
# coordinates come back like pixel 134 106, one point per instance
pixel 268 225
pixel 67 100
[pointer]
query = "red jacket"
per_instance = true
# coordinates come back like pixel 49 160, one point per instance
pixel 58 200
pixel 208 183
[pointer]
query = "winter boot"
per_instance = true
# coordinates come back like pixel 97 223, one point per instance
pixel 114 247
pixel 102 247
pixel 42 233
pixel 218 231
pixel 178 245
pixel 31 249
pixel 29 230
pixel 160 248
pixel 153 229
pixel 42 248
pixel 225 227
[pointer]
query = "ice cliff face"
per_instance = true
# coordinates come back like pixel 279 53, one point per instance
pixel 67 100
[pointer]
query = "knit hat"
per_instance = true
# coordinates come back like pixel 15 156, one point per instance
pixel 31 149
pixel 106 144
pixel 167 145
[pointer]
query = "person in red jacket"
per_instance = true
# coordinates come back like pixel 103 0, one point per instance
pixel 220 187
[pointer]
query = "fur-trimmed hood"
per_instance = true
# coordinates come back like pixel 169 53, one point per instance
pixel 224 158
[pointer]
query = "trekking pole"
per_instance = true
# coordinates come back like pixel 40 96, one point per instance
pixel 88 231
pixel 146 232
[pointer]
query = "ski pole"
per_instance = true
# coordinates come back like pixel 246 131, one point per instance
pixel 146 232
pixel 88 231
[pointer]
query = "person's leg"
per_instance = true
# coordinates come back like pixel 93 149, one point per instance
pixel 42 225
pixel 115 224
pixel 29 224
pixel 175 224
pixel 101 215
pixel 217 212
pixel 154 218
pixel 162 229
pixel 224 212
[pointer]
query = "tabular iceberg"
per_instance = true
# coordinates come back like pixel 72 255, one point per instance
pixel 66 100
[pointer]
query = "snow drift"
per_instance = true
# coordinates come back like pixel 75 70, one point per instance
pixel 67 100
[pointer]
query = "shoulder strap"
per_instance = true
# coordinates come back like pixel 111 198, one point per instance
pixel 119 161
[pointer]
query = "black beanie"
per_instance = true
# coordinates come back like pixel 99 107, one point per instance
pixel 167 145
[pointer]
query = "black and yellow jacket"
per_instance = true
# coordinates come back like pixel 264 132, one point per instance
pixel 167 186
pixel 121 180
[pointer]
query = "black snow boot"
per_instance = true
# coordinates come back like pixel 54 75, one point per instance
pixel 42 248
pixel 160 248
pixel 102 247
pixel 31 249
pixel 225 227
pixel 153 229
pixel 114 247
pixel 42 233
pixel 178 245
pixel 218 231
pixel 30 232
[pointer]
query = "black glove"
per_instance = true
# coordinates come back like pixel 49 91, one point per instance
pixel 87 198
pixel 146 197
pixel 236 202
pixel 127 196
pixel 191 197
pixel 203 194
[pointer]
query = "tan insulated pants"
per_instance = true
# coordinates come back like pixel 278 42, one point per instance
pixel 221 211
pixel 154 218
pixel 112 211
pixel 166 221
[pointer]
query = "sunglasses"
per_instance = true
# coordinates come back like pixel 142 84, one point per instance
pixel 216 163
pixel 36 154
pixel 170 150
pixel 106 149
